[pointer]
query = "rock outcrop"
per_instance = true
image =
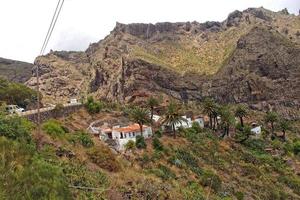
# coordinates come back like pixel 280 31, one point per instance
pixel 264 71
pixel 247 58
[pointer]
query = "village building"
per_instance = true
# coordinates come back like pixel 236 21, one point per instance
pixel 256 129
pixel 187 123
pixel 122 135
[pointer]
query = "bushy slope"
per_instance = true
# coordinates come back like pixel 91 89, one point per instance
pixel 68 163
pixel 16 93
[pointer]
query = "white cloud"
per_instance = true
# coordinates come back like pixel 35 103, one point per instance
pixel 25 23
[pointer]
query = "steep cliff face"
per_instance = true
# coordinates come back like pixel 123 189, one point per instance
pixel 63 75
pixel 252 56
pixel 16 71
pixel 264 71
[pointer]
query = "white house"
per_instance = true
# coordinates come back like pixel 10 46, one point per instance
pixel 188 123
pixel 122 135
pixel 256 129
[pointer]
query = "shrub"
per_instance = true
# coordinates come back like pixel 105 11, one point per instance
pixel 210 179
pixel 104 158
pixel 15 128
pixel 239 195
pixel 145 159
pixel 15 93
pixel 163 172
pixel 140 142
pixel 26 174
pixel 296 147
pixel 53 128
pixel 84 139
pixel 158 133
pixel 255 144
pixel 157 145
pixel 191 162
pixel 78 174
pixel 193 191
pixel 130 145
pixel 196 127
pixel 243 133
pixel 93 106
pixel 292 182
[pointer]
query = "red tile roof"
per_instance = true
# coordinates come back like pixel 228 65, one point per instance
pixel 130 128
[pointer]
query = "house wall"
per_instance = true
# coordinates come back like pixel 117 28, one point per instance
pixel 147 132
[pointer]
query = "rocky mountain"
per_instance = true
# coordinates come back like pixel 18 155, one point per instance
pixel 16 71
pixel 251 57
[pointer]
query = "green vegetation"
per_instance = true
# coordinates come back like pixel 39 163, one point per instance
pixel 198 164
pixel 152 103
pixel 157 145
pixel 271 117
pixel 130 145
pixel 54 128
pixel 93 106
pixel 140 142
pixel 241 112
pixel 15 128
pixel 173 117
pixel 16 93
pixel 140 116
pixel 103 157
pixel 82 138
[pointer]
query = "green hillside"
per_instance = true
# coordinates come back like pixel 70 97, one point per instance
pixel 68 163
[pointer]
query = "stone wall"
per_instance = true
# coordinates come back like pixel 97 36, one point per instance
pixel 55 113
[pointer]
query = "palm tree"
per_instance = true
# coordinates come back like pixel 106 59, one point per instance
pixel 240 112
pixel 152 103
pixel 139 116
pixel 209 108
pixel 284 125
pixel 173 117
pixel 271 117
pixel 227 120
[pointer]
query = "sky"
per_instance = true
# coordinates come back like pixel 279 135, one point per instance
pixel 24 23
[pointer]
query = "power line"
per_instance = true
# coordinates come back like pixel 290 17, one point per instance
pixel 52 25
pixel 41 52
pixel 46 41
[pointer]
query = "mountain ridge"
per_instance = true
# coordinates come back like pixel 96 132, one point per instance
pixel 126 63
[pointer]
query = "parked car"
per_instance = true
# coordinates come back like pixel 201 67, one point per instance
pixel 12 109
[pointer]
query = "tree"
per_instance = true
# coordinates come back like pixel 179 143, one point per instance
pixel 173 117
pixel 139 116
pixel 271 117
pixel 243 133
pixel 152 103
pixel 240 112
pixel 284 125
pixel 227 120
pixel 209 108
pixel 93 106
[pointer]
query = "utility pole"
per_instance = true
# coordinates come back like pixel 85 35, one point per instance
pixel 38 99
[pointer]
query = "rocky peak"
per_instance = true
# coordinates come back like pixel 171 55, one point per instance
pixel 284 11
